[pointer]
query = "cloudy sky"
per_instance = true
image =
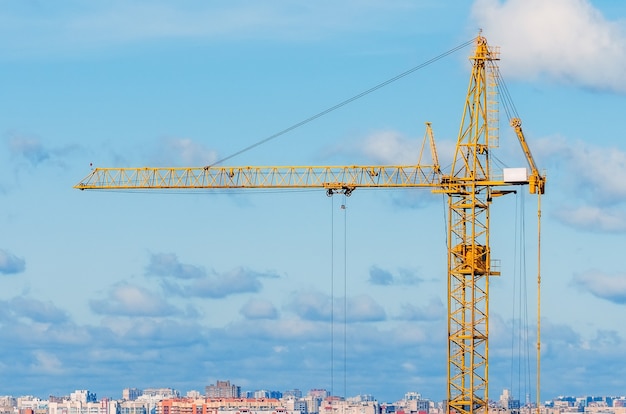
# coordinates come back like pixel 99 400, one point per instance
pixel 281 290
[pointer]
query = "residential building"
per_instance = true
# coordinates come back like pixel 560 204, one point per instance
pixel 222 406
pixel 133 407
pixel 131 394
pixel 222 389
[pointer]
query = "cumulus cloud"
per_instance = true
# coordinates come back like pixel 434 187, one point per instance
pixel 379 276
pixel 28 147
pixel 608 338
pixel 214 285
pixel 562 39
pixel 431 311
pixel 594 174
pixel 168 265
pixel 593 218
pixel 94 26
pixel 259 309
pixel 268 350
pixel 601 170
pixel 603 286
pixel 37 311
pixel 559 337
pixel 61 355
pixel 131 300
pixel 10 263
pixel 383 277
pixel 391 147
pixel 317 306
pixel 364 308
pixel 196 281
pixel 184 152
pixel 151 332
pixel 47 363
pixel 34 151
pixel 312 305
pixel 283 331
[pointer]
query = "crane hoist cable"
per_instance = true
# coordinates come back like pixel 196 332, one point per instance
pixel 520 335
pixel 345 102
pixel 469 260
pixel 512 115
pixel 343 208
pixel 332 295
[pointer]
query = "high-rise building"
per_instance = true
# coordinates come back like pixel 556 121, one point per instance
pixel 132 407
pixel 131 394
pixel 296 393
pixel 76 406
pixel 83 396
pixel 261 394
pixel 313 403
pixel 161 392
pixel 222 389
pixel 319 393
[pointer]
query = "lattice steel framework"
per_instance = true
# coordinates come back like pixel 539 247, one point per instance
pixel 469 260
pixel 470 187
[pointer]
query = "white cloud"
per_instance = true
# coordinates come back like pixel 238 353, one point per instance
pixel 311 305
pixel 214 285
pixel 364 308
pixel 317 306
pixel 434 310
pixel 47 363
pixel 184 152
pixel 566 40
pixel 259 309
pixel 29 147
pixel 168 265
pixel 412 334
pixel 37 310
pixel 602 170
pixel 380 276
pixel 592 178
pixel 603 286
pixel 267 351
pixel 131 300
pixel 391 147
pixel 384 277
pixel 196 281
pixel 10 263
pixel 594 218
pixel 82 25
pixel 32 149
pixel 280 330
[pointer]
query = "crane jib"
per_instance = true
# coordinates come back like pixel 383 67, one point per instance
pixel 470 188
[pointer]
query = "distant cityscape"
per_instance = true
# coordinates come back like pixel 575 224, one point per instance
pixel 223 397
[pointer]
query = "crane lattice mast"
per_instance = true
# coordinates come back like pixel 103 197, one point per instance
pixel 470 187
pixel 469 256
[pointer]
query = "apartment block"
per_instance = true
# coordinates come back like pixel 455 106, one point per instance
pixel 80 407
pixel 222 389
pixel 222 406
pixel 131 394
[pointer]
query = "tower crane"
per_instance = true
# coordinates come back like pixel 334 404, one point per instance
pixel 470 186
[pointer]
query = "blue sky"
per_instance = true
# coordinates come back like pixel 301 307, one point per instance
pixel 107 290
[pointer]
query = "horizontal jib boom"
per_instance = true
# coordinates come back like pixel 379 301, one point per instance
pixel 261 177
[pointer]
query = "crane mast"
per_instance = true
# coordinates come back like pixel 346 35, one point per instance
pixel 469 258
pixel 470 187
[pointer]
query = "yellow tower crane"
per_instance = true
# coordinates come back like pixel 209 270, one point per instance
pixel 470 186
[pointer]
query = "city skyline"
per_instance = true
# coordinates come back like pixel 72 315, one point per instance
pixel 344 293
pixel 133 393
